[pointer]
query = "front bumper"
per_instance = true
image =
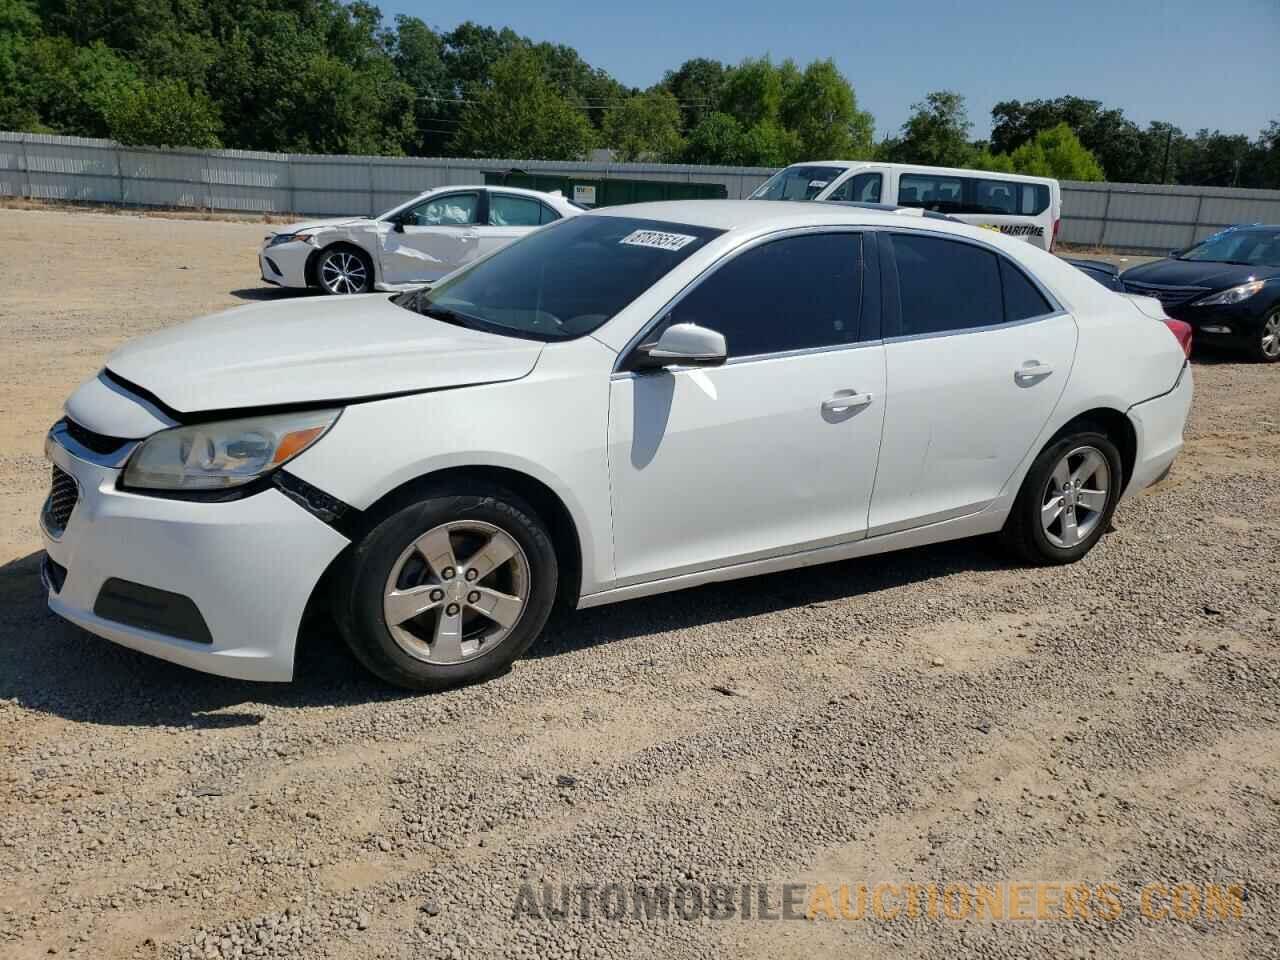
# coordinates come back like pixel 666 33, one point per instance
pixel 1241 322
pixel 285 264
pixel 248 566
pixel 1158 424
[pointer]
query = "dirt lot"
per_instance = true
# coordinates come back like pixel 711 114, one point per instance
pixel 936 716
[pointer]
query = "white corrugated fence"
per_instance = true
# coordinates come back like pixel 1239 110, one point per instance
pixel 1122 216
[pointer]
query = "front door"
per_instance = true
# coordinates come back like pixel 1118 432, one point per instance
pixel 976 358
pixel 775 451
pixel 432 238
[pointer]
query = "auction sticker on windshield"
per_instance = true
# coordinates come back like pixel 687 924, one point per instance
pixel 657 239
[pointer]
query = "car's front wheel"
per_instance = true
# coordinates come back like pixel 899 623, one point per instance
pixel 1066 500
pixel 448 590
pixel 343 270
pixel 1267 346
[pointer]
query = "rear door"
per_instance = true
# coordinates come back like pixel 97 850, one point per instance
pixel 432 238
pixel 510 216
pixel 775 451
pixel 976 357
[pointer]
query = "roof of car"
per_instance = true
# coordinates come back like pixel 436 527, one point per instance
pixel 519 191
pixel 752 214
pixel 925 168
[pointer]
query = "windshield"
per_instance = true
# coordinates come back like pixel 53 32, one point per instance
pixel 1260 248
pixel 797 183
pixel 562 281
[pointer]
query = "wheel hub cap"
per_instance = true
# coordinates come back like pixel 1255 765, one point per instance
pixel 441 609
pixel 1075 497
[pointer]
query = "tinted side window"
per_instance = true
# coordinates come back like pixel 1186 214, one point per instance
pixel 995 196
pixel 508 211
pixel 548 214
pixel 1035 198
pixel 946 285
pixel 790 294
pixel 944 194
pixel 862 187
pixel 1021 298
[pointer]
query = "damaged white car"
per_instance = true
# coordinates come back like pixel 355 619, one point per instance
pixel 414 243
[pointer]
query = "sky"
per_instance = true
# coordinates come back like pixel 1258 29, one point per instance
pixel 1195 63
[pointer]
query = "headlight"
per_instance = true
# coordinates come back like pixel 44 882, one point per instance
pixel 279 238
pixel 231 453
pixel 1234 295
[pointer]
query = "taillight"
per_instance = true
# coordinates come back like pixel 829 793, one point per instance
pixel 1182 333
pixel 1053 240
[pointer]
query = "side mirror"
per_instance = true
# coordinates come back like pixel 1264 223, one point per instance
pixel 397 225
pixel 682 344
pixel 1176 253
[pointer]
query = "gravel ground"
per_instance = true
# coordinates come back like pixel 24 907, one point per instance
pixel 934 716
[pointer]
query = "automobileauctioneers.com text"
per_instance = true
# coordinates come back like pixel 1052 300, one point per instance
pixel 886 901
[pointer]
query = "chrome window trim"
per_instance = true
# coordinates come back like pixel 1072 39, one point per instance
pixel 714 267
pixel 986 328
pixel 756 358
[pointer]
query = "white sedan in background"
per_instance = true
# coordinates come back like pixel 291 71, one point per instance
pixel 632 401
pixel 417 242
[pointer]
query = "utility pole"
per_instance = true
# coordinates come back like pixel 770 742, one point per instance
pixel 1168 144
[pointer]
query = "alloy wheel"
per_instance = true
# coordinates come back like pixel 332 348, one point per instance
pixel 343 272
pixel 1270 343
pixel 441 609
pixel 1075 497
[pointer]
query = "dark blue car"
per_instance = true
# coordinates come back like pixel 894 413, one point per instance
pixel 1227 287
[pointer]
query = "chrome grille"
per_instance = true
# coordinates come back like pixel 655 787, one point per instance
pixel 62 500
pixel 1170 296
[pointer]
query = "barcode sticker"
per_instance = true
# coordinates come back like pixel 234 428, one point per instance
pixel 657 239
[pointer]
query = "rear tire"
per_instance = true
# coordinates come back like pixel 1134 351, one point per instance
pixel 1066 500
pixel 449 590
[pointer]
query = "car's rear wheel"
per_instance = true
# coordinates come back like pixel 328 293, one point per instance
pixel 343 270
pixel 1066 500
pixel 1267 346
pixel 449 590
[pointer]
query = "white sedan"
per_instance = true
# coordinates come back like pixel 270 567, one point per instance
pixel 629 402
pixel 417 242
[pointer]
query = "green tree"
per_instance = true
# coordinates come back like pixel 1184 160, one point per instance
pixel 821 109
pixel 1056 152
pixel 697 85
pixel 936 133
pixel 1112 138
pixel 754 90
pixel 70 88
pixel 769 144
pixel 718 139
pixel 164 113
pixel 418 54
pixel 645 127
pixel 521 116
pixel 19 25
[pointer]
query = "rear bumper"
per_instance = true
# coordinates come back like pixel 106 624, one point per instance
pixel 247 566
pixel 1158 424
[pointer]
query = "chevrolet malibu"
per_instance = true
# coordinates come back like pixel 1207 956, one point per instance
pixel 628 402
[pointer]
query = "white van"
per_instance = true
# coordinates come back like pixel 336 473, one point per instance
pixel 1020 206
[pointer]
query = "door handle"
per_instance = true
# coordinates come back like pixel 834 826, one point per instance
pixel 846 400
pixel 1033 371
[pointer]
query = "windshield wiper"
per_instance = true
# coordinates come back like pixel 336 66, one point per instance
pixel 445 315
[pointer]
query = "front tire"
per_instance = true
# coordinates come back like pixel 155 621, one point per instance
pixel 449 590
pixel 1066 500
pixel 344 270
pixel 1266 345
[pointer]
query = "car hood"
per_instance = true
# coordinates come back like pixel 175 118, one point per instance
pixel 1191 273
pixel 304 226
pixel 314 350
